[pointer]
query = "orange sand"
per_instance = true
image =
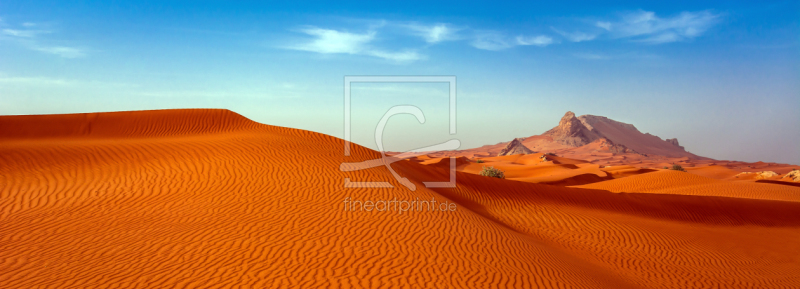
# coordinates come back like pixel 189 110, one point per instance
pixel 210 199
pixel 682 183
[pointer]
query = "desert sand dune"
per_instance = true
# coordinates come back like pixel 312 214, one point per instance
pixel 531 168
pixel 784 183
pixel 210 199
pixel 714 172
pixel 553 170
pixel 684 183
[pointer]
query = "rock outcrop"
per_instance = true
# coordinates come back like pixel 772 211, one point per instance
pixel 793 176
pixel 515 147
pixel 572 132
pixel 759 175
pixel 626 134
pixel 674 141
pixel 614 148
pixel 615 137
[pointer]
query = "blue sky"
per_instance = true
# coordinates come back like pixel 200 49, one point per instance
pixel 722 77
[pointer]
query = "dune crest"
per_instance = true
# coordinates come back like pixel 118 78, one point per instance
pixel 150 123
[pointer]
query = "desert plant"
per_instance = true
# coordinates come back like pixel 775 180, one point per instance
pixel 552 154
pixel 677 168
pixel 492 172
pixel 666 168
pixel 479 161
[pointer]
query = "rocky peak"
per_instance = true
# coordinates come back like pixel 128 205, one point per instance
pixel 515 147
pixel 571 131
pixel 570 125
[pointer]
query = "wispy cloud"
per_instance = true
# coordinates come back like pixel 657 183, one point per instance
pixel 541 40
pixel 22 33
pixel 576 36
pixel 491 40
pixel 640 26
pixel 368 42
pixel 400 56
pixel 434 33
pixel 63 51
pixel 646 27
pixel 332 41
pixel 30 36
pixel 329 41
pixel 495 41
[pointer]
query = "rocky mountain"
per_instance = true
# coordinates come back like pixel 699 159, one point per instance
pixel 626 134
pixel 588 136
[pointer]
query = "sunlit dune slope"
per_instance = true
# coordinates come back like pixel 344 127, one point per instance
pixel 714 172
pixel 210 199
pixel 552 170
pixel 123 124
pixel 684 183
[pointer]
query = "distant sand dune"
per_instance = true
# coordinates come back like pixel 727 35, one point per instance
pixel 210 199
pixel 682 183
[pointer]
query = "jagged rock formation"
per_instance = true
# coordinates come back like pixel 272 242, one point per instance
pixel 572 132
pixel 515 147
pixel 579 131
pixel 590 134
pixel 612 147
pixel 674 141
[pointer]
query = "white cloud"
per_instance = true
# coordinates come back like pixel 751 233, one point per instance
pixel 490 40
pixel 603 24
pixel 403 56
pixel 640 26
pixel 434 33
pixel 63 51
pixel 576 36
pixel 645 26
pixel 32 40
pixel 541 40
pixel 22 33
pixel 332 41
pixel 328 41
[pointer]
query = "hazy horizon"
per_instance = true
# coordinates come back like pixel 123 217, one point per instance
pixel 722 77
